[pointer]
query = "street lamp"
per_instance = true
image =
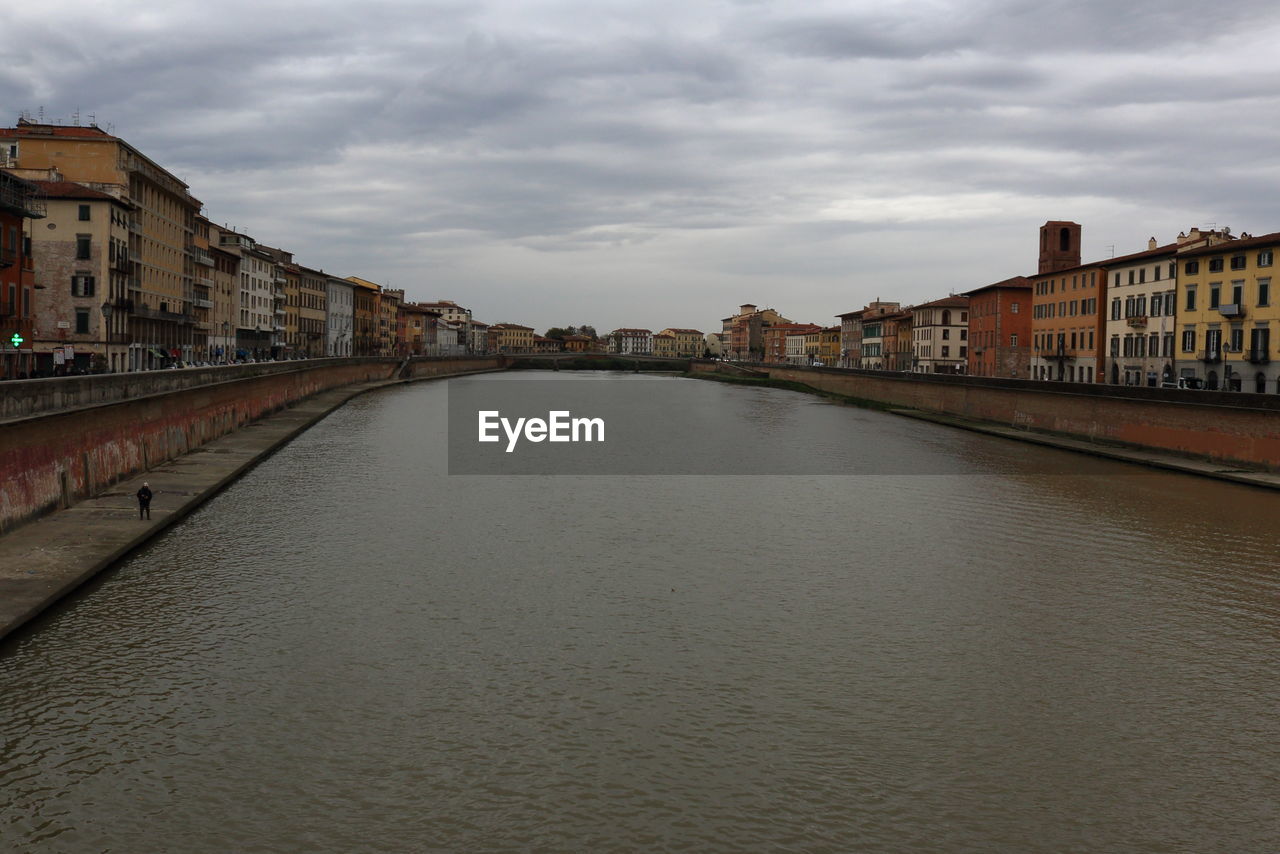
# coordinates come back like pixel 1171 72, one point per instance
pixel 107 309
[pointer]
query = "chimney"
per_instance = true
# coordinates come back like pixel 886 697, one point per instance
pixel 1151 243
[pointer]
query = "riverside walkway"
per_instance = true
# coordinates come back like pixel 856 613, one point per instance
pixel 46 559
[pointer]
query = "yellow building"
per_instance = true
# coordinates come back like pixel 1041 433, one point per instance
pixel 365 339
pixel 1226 312
pixel 829 345
pixel 664 345
pixel 160 288
pixel 510 338
pixel 689 343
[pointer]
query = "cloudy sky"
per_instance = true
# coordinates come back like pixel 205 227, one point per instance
pixel 656 163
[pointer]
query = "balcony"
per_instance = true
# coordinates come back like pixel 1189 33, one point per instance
pixel 1258 356
pixel 204 280
pixel 280 312
pixel 200 302
pixel 201 256
pixel 124 305
pixel 135 284
pixel 1137 321
pixel 135 256
pixel 1209 356
pixel 1058 355
pixel 1231 309
pixel 135 226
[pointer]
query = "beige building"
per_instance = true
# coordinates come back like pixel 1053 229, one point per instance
pixel 160 316
pixel 940 336
pixel 664 344
pixel 223 268
pixel 82 267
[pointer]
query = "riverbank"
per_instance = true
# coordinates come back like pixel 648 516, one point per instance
pixel 44 560
pixel 1120 453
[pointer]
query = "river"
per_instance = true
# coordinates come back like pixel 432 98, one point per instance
pixel 1001 648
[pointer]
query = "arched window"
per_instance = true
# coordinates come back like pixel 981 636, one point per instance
pixel 946 317
pixel 1260 383
pixel 1211 381
pixel 1064 239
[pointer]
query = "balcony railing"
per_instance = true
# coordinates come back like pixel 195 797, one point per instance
pixel 1137 321
pixel 200 302
pixel 1210 356
pixel 201 256
pixel 1259 356
pixel 1231 309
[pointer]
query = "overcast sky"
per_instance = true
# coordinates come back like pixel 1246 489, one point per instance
pixel 657 163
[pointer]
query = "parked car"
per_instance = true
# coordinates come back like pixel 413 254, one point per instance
pixel 1184 382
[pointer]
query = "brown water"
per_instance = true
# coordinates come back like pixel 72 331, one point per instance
pixel 350 650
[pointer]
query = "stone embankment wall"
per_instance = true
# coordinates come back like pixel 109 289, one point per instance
pixel 72 437
pixel 1234 428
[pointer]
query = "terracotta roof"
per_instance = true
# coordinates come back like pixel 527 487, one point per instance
pixel 947 302
pixel 25 128
pixel 1167 249
pixel 1017 282
pixel 1234 245
pixel 72 190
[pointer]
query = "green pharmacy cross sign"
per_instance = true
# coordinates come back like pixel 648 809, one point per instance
pixel 16 340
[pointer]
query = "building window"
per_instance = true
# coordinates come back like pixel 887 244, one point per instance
pixel 82 286
pixel 1188 341
pixel 1214 296
pixel 1191 268
pixel 1115 345
pixel 82 321
pixel 1237 262
pixel 82 247
pixel 1264 292
pixel 1215 265
pixel 1237 292
pixel 1264 258
pixel 1013 340
pixel 84 213
pixel 1191 299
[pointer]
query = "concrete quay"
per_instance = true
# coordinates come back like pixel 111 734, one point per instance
pixel 44 560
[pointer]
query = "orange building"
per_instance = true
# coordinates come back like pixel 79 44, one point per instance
pixel 1000 329
pixel 1067 325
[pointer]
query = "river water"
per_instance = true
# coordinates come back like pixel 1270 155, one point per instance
pixel 1010 649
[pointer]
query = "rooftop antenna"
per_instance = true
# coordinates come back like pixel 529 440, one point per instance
pixel 93 120
pixel 75 117
pixel 1111 247
pixel 42 114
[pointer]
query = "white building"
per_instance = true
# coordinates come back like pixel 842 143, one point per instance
pixel 940 336
pixel 1141 321
pixel 631 342
pixel 340 317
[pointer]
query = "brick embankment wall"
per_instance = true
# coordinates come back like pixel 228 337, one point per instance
pixel 55 457
pixel 1230 427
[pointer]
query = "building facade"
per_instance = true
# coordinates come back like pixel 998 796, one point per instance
pixel 160 322
pixel 1227 317
pixel 940 333
pixel 1000 329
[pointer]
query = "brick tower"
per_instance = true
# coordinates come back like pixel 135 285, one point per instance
pixel 1059 246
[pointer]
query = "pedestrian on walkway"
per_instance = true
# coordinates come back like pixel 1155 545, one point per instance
pixel 144 501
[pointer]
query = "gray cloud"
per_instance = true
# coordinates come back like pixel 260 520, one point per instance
pixel 657 163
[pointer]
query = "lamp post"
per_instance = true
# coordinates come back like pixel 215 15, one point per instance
pixel 107 310
pixel 226 348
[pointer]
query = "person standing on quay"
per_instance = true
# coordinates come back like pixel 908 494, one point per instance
pixel 144 501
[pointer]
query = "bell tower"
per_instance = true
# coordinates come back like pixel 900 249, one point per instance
pixel 1059 246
